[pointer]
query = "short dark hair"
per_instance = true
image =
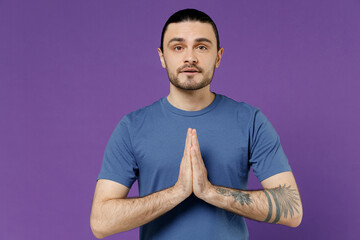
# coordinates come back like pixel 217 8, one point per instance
pixel 189 14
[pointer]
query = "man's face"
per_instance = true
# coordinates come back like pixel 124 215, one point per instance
pixel 190 54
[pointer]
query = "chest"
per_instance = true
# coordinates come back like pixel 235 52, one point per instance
pixel 159 151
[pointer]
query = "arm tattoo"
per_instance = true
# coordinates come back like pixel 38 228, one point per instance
pixel 286 200
pixel 270 207
pixel 238 195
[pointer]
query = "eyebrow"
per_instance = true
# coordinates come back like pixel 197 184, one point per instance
pixel 183 40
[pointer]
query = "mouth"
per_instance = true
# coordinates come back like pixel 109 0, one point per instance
pixel 190 71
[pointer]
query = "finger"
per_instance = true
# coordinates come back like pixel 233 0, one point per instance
pixel 194 158
pixel 193 161
pixel 188 149
pixel 190 161
pixel 188 146
pixel 187 140
pixel 195 140
pixel 195 145
pixel 197 164
pixel 196 153
pixel 193 155
pixel 188 154
pixel 183 160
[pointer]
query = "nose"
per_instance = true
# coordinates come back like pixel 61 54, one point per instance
pixel 190 56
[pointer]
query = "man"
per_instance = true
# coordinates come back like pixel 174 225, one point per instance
pixel 196 191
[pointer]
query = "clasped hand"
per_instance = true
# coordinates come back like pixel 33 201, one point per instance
pixel 193 173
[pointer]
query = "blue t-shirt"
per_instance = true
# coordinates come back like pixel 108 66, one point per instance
pixel 148 144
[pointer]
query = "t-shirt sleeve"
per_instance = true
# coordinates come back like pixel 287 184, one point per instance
pixel 119 163
pixel 267 157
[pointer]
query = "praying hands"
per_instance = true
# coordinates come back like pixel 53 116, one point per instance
pixel 193 174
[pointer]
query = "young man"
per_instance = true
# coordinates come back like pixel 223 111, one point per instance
pixel 196 191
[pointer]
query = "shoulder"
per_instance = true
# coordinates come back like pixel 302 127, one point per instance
pixel 137 117
pixel 241 105
pixel 245 111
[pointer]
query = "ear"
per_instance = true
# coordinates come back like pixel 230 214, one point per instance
pixel 218 58
pixel 162 60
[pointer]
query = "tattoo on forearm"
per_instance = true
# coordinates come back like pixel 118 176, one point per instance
pixel 270 207
pixel 285 199
pixel 238 195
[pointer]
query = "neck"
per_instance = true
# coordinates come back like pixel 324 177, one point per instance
pixel 190 100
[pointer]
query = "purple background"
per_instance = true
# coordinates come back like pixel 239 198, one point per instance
pixel 69 71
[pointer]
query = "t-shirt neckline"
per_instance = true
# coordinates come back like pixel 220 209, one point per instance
pixel 179 111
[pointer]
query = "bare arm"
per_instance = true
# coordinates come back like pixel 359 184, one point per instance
pixel 112 212
pixel 110 216
pixel 278 203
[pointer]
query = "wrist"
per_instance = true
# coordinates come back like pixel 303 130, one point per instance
pixel 178 193
pixel 208 195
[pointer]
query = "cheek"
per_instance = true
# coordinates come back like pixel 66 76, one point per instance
pixel 209 61
pixel 171 63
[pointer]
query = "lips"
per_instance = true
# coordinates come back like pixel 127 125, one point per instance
pixel 190 70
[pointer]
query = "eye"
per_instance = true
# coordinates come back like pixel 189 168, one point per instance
pixel 203 48
pixel 177 48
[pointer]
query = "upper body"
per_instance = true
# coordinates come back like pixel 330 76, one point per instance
pixel 233 136
pixel 212 173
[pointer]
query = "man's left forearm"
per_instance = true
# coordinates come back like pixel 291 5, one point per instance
pixel 276 205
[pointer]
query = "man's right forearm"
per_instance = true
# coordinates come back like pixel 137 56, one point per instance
pixel 119 215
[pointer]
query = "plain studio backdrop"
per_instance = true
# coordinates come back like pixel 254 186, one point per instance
pixel 70 70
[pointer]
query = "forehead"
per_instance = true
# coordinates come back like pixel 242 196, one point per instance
pixel 189 30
